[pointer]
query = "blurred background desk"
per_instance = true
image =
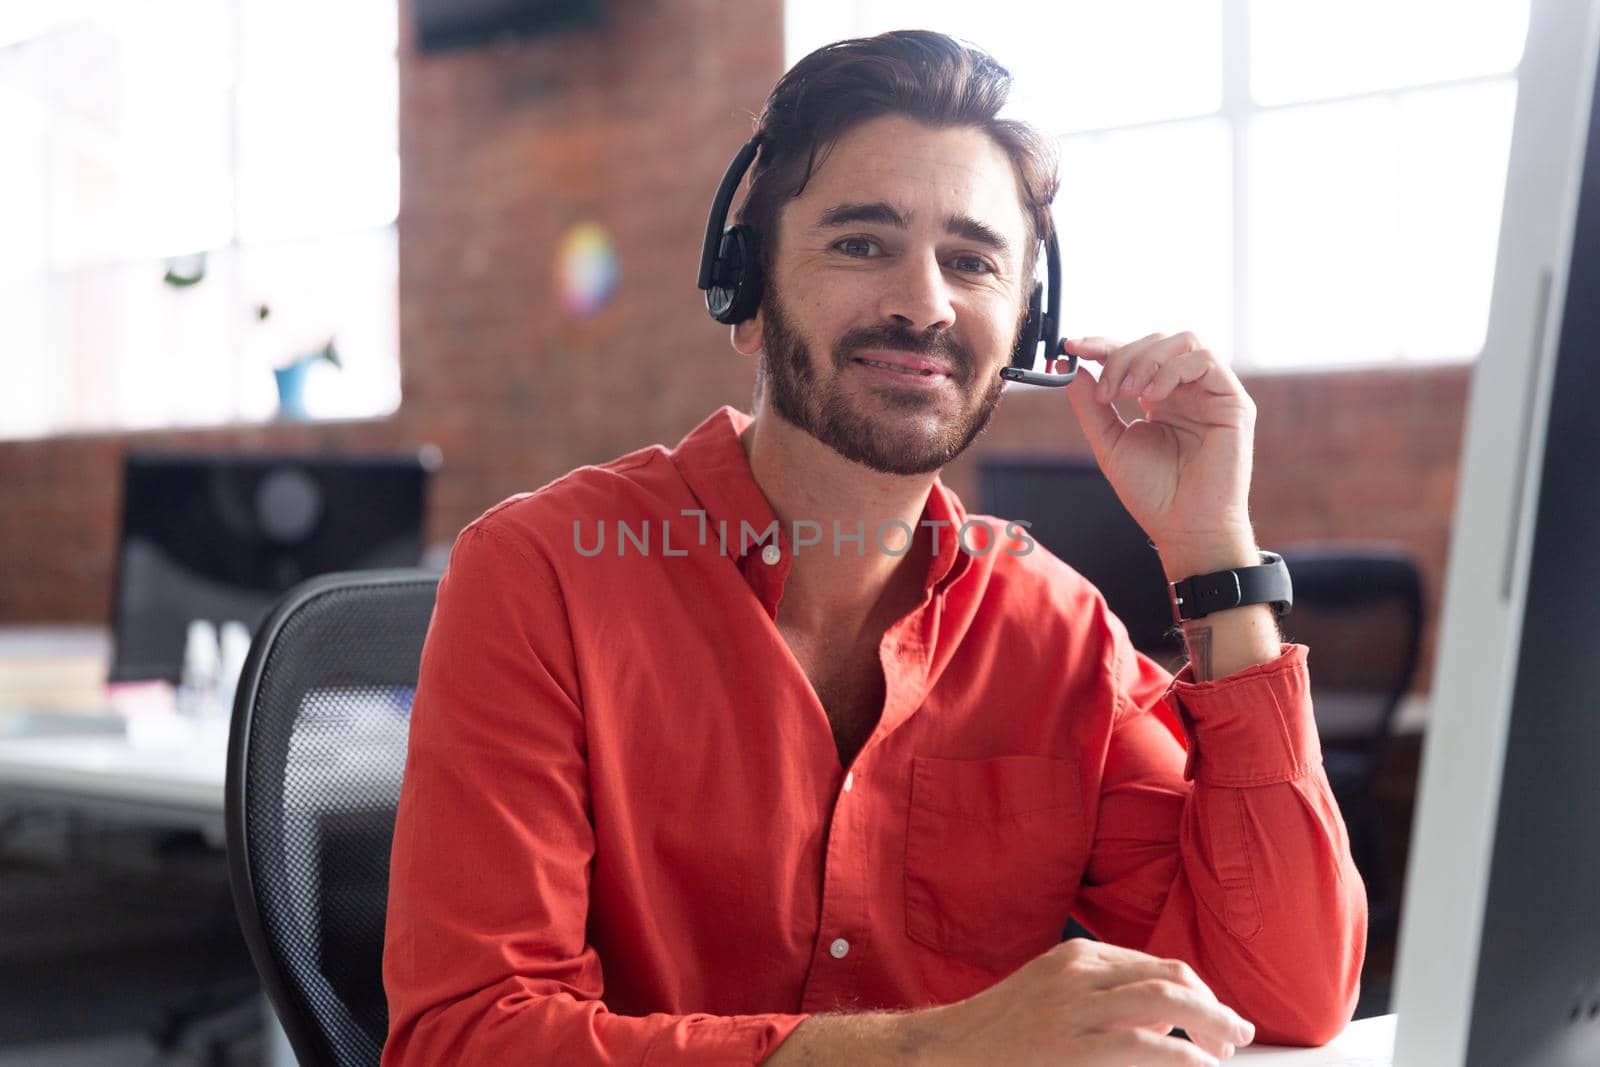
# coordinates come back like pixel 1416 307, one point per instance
pixel 118 943
pixel 64 747
pixel 170 778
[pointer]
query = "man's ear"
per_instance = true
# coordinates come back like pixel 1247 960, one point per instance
pixel 748 336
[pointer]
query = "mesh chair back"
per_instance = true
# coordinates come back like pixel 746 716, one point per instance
pixel 315 757
pixel 1359 609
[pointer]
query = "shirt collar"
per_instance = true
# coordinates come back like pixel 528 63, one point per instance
pixel 712 462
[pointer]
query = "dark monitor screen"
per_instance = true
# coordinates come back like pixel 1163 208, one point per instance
pixel 1538 989
pixel 220 537
pixel 1074 512
pixel 1499 955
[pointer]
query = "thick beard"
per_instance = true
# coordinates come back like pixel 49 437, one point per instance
pixel 827 411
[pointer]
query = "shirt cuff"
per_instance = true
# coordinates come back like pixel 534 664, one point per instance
pixel 1253 727
pixel 723 1041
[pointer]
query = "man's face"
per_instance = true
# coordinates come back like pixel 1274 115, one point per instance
pixel 907 247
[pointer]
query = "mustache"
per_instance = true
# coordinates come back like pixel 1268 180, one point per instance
pixel 933 343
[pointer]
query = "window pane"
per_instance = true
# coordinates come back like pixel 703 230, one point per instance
pixel 1078 64
pixel 1146 233
pixel 24 178
pixel 34 389
pixel 140 133
pixel 1311 49
pixel 344 288
pixel 21 21
pixel 125 150
pixel 1455 144
pixel 1082 66
pixel 140 353
pixel 1372 226
pixel 319 118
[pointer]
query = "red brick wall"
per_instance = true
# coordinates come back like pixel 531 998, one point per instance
pixel 501 150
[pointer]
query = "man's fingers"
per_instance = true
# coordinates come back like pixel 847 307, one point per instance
pixel 1163 379
pixel 1130 370
pixel 1119 362
pixel 1101 423
pixel 1108 966
pixel 1094 349
pixel 1144 1048
pixel 1163 1005
pixel 1140 990
pixel 1151 359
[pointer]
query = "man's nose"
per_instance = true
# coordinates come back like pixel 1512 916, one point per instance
pixel 917 294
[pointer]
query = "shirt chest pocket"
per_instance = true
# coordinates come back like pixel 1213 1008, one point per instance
pixel 994 852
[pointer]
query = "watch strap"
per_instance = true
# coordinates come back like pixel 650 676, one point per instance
pixel 1200 595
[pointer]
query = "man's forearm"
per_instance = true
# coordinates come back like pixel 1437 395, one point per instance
pixel 868 1039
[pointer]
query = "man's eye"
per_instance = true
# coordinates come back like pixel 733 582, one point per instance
pixel 972 265
pixel 857 246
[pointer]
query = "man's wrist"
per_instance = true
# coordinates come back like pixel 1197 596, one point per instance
pixel 1221 554
pixel 901 1037
pixel 1226 642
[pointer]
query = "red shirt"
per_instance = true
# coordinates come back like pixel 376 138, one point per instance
pixel 625 835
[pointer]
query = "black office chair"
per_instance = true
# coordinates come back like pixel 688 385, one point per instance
pixel 1358 607
pixel 1073 511
pixel 315 757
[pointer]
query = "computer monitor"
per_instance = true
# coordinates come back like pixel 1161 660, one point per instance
pixel 1499 955
pixel 1073 511
pixel 220 537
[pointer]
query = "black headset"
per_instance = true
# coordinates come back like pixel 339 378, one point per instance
pixel 730 274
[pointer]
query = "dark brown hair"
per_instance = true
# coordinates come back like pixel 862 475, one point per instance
pixel 917 73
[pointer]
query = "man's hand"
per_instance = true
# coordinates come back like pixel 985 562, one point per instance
pixel 1182 471
pixel 1081 1004
pixel 1087 1004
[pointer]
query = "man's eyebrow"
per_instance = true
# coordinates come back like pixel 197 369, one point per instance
pixel 879 212
pixel 978 232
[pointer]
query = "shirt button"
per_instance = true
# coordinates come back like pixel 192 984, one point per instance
pixel 839 948
pixel 771 554
pixel 849 780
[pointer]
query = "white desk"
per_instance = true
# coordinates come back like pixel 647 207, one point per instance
pixel 168 774
pixel 1365 1043
pixel 61 744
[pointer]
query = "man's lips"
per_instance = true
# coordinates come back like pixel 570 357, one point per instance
pixel 906 361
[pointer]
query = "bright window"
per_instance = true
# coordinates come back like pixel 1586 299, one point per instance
pixel 1302 183
pixel 173 167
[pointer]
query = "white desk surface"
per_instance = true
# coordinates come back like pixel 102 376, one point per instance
pixel 179 764
pixel 1364 1043
pixel 61 741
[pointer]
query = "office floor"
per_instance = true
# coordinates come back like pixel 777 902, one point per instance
pixel 119 947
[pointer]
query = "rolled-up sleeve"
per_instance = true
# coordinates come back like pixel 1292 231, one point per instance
pixel 486 959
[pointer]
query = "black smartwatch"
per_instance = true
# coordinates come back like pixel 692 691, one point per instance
pixel 1199 595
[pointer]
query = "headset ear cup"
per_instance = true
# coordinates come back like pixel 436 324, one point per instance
pixel 735 291
pixel 1028 337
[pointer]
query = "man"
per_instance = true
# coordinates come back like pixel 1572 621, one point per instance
pixel 722 790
